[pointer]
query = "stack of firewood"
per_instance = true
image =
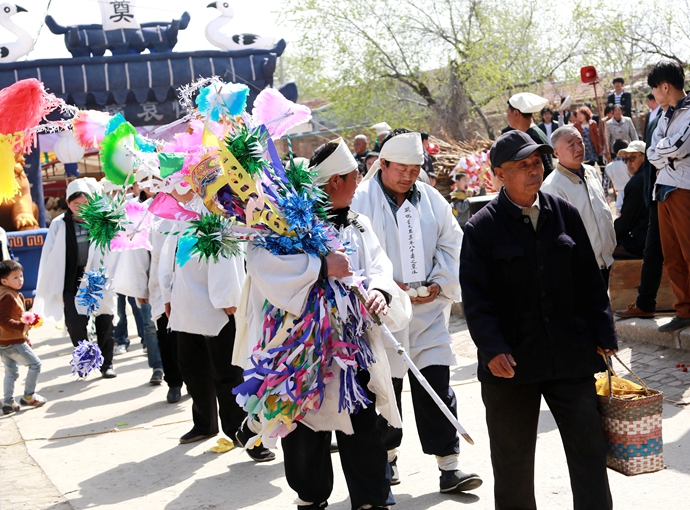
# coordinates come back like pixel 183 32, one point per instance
pixel 449 155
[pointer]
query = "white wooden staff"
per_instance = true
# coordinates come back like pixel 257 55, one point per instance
pixel 417 373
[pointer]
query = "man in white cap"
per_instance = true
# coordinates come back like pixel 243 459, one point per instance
pixel 285 281
pixel 416 228
pixel 519 116
pixel 67 254
pixel 382 129
pixel 631 225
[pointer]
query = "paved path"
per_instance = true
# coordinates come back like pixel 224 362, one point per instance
pixel 144 467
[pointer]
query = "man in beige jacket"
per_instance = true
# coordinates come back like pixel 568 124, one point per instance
pixel 581 186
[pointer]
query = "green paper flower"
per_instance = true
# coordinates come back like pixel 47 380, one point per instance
pixel 249 147
pixel 215 238
pixel 299 175
pixel 103 217
pixel 116 160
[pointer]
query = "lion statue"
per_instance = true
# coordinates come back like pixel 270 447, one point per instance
pixel 19 213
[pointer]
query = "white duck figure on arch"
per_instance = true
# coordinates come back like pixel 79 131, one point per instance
pixel 13 51
pixel 222 40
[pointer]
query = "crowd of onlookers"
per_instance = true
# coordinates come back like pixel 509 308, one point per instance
pixel 599 161
pixel 614 146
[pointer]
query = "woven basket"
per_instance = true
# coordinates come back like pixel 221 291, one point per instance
pixel 633 431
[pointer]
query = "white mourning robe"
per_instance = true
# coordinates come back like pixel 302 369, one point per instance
pixel 426 339
pixel 51 273
pixel 137 271
pixel 199 290
pixel 285 281
pixel 132 273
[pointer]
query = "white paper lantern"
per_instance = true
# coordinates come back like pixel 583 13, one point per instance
pixel 67 149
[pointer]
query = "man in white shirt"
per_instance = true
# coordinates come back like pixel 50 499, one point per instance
pixel 617 173
pixel 581 186
pixel 201 298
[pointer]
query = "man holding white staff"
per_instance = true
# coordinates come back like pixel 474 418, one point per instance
pixel 416 228
pixel 285 281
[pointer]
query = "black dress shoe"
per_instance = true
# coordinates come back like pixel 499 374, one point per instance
pixel 193 436
pixel 259 453
pixel 313 506
pixel 157 377
pixel 109 373
pixel 174 394
pixel 457 481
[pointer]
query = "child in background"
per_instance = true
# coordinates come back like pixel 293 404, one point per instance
pixel 458 199
pixel 15 347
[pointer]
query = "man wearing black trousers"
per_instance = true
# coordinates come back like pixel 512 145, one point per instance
pixel 538 311
pixel 653 257
pixel 167 344
pixel 200 299
pixel 210 381
pixel 285 282
pixel 67 255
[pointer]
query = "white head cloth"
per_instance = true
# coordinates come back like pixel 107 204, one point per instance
pixel 340 162
pixel 406 149
pixel 109 187
pixel 87 185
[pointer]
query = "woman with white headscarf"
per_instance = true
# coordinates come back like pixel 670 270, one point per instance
pixel 67 254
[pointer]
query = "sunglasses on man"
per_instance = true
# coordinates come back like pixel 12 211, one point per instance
pixel 625 159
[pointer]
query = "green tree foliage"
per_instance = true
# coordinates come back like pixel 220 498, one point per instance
pixel 434 64
pixel 648 30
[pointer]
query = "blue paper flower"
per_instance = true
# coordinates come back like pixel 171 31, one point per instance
pixel 185 249
pixel 280 245
pixel 216 99
pixel 114 123
pixel 144 144
pixel 86 358
pixel 314 241
pixel 90 293
pixel 298 211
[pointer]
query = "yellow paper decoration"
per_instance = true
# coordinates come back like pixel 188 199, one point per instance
pixel 209 138
pixel 245 187
pixel 224 445
pixel 8 184
pixel 621 387
pixel 206 179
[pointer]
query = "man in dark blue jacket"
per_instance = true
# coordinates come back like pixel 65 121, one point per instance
pixel 538 311
pixel 631 225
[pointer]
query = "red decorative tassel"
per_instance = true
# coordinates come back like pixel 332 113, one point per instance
pixel 23 106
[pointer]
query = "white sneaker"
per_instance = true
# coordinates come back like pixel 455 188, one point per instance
pixel 119 349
